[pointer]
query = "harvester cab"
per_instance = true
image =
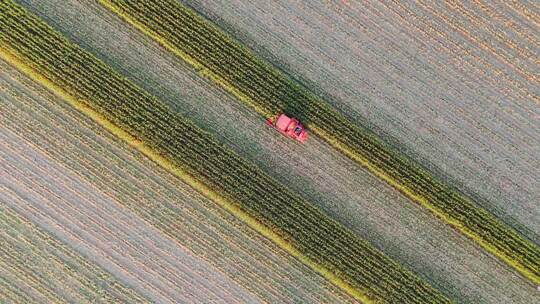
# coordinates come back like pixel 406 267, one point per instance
pixel 289 126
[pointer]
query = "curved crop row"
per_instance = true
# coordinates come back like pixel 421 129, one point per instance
pixel 184 149
pixel 269 91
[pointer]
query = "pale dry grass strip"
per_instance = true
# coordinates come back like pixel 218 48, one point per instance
pixel 426 27
pixel 101 232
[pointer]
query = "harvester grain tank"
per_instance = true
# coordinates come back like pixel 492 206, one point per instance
pixel 289 126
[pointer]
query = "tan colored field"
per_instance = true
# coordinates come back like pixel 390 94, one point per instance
pixel 34 266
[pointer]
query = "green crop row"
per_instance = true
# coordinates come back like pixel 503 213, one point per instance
pixel 316 236
pixel 269 91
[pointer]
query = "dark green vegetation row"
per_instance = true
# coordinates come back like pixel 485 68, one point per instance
pixel 273 92
pixel 317 236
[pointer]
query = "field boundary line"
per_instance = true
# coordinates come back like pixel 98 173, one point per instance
pixel 228 205
pixel 348 151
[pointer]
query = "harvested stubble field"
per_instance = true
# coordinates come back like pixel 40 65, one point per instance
pixel 34 266
pixel 195 233
pixel 370 208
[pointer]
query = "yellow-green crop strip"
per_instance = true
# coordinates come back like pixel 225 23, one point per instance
pixel 213 169
pixel 219 57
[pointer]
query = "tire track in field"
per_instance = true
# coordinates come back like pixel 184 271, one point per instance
pixel 373 210
pixel 384 68
pixel 172 207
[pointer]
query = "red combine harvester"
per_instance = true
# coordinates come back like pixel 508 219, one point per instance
pixel 288 126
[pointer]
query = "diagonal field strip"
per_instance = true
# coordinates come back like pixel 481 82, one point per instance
pixel 220 58
pixel 183 149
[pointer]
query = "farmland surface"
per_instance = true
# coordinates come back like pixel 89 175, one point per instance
pixel 34 266
pixel 366 205
pixel 454 87
pixel 176 143
pixel 157 235
pixel 238 70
